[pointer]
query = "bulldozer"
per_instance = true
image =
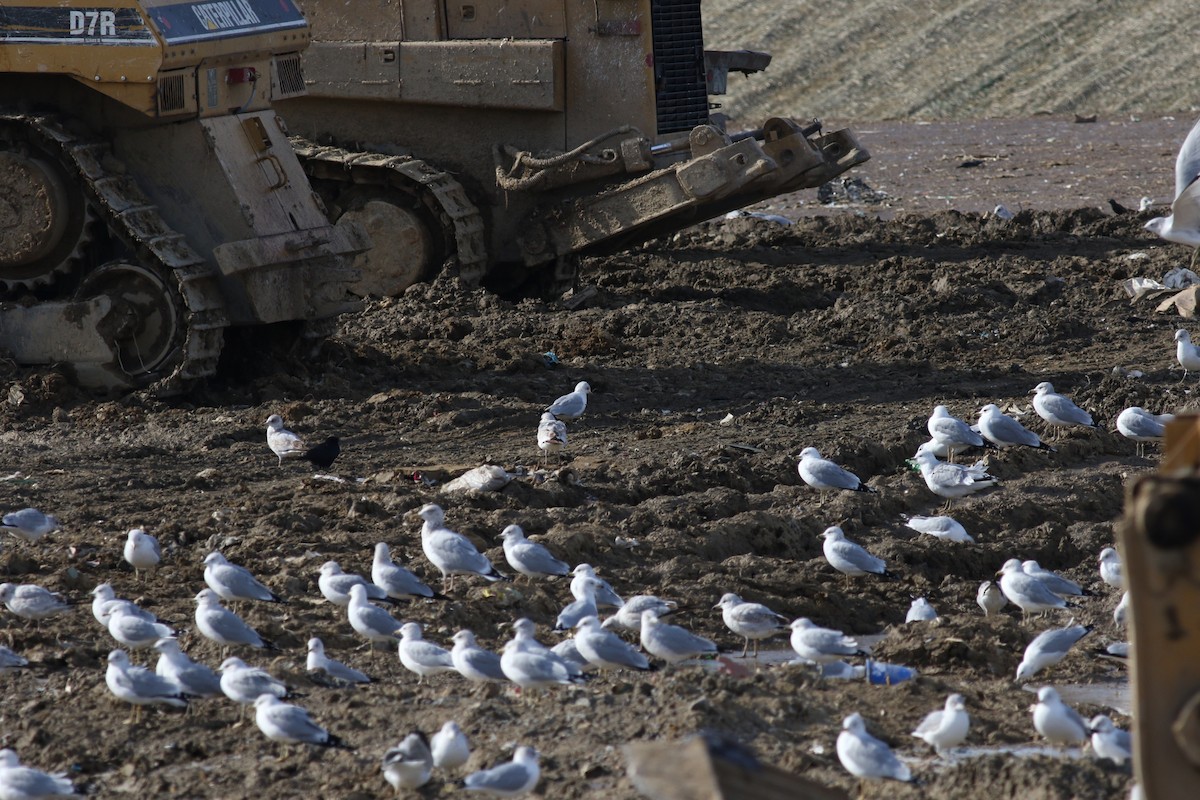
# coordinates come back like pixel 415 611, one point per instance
pixel 152 202
pixel 505 139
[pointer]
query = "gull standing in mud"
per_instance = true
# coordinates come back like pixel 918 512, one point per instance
pixel 1059 410
pixel 450 551
pixel 1186 353
pixel 474 662
pixel 224 627
pixel 551 436
pixel 139 686
pixel 513 779
pixel 604 594
pixel 1109 741
pixel 1056 583
pixel 335 584
pixel 629 615
pixel 29 524
pixel 422 657
pixel 1025 591
pixel 1141 426
pixel 920 611
pixel 952 434
pixel 317 663
pixel 103 595
pixel 283 443
pixel 527 663
pixel 750 620
pixel 945 528
pixel 188 677
pixel 409 764
pixel 1050 647
pixel 990 598
pixel 1004 431
pixel 606 650
pixel 370 621
pixel 849 558
pixel 132 630
pixel 826 476
pixel 31 602
pixel 571 406
pixel 585 606
pixel 18 782
pixel 1056 721
pixel 232 582
pixel 1110 568
pixel 289 724
pixel 450 747
pixel 244 684
pixel 672 643
pixel 946 728
pixel 531 558
pixel 141 552
pixel 822 645
pixel 952 481
pixel 398 582
pixel 864 756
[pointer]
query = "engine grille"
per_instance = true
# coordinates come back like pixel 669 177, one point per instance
pixel 288 75
pixel 171 94
pixel 681 92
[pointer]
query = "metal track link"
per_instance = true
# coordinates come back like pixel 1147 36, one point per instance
pixel 459 215
pixel 135 221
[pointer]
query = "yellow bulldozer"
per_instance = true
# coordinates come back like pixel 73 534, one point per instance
pixel 506 138
pixel 151 200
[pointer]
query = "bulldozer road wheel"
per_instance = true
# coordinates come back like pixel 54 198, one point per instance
pixel 145 325
pixel 43 220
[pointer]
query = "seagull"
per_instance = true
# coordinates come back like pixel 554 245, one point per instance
pixel 320 664
pixel 822 645
pixel 1004 431
pixel 335 585
pixel 138 685
pixel 232 582
pixel 920 611
pixel 29 524
pixel 30 601
pixel 1054 582
pixel 1025 591
pixel 571 406
pixel 142 551
pixel 947 728
pixel 409 764
pixel 1109 741
pixel 26 783
pixel 324 454
pixel 530 558
pixel 605 649
pixel 952 433
pixel 288 724
pixel 422 657
pixel 473 662
pixel 672 643
pixel 864 756
pixel 1183 226
pixel 449 747
pixel 568 651
pixel 1048 648
pixel 10 660
pixel 528 664
pixel 551 436
pixel 629 615
pixel 188 677
pixel 990 598
pixel 1186 353
pixel 103 595
pixel 283 442
pixel 1122 609
pixel 1058 410
pixel 945 528
pixel 1110 568
pixel 244 684
pixel 1057 721
pixel 824 475
pixel 224 627
pixel 132 630
pixel 849 558
pixel 952 481
pixel 1141 426
pixel 750 620
pixel 394 579
pixel 605 596
pixel 585 606
pixel 513 779
pixel 370 621
pixel 450 551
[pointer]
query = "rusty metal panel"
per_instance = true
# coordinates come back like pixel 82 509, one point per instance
pixel 367 70
pixel 505 19
pixel 484 74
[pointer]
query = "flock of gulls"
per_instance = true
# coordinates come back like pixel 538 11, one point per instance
pixel 600 620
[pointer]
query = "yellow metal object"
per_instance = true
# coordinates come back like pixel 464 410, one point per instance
pixel 1159 539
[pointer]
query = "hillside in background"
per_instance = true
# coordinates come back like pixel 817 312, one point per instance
pixel 956 59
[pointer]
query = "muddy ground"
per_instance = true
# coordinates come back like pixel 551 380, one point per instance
pixel 840 332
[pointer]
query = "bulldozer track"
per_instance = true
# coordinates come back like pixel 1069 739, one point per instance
pixel 460 218
pixel 135 221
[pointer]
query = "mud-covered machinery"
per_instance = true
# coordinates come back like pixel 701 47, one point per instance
pixel 149 197
pixel 514 135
